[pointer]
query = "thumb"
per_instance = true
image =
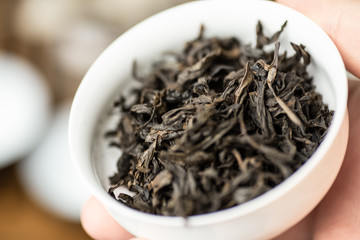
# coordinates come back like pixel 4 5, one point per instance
pixel 340 20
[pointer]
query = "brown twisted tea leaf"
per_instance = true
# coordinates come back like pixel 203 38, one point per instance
pixel 217 126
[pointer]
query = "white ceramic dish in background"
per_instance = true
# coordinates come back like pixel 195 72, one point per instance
pixel 25 108
pixel 262 217
pixel 47 174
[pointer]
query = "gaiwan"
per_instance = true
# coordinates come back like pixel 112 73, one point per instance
pixel 209 93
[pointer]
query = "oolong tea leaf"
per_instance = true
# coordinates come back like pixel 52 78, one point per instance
pixel 216 125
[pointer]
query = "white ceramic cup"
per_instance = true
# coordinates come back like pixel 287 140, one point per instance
pixel 261 218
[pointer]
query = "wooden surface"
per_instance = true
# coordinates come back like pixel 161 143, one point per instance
pixel 21 218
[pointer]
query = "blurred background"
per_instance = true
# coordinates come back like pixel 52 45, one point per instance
pixel 46 47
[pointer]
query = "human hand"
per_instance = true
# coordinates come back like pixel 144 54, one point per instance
pixel 337 216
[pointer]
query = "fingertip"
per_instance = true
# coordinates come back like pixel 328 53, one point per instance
pixel 292 3
pixel 99 224
pixel 283 1
pixel 306 7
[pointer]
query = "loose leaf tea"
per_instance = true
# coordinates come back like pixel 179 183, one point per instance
pixel 216 125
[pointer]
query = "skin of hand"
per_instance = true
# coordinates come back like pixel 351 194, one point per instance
pixel 337 217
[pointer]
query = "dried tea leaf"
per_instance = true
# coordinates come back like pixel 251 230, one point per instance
pixel 217 125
